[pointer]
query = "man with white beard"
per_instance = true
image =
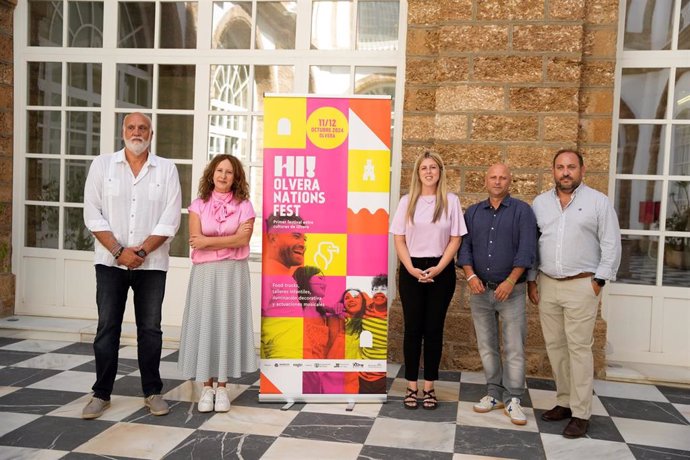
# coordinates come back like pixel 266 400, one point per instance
pixel 132 203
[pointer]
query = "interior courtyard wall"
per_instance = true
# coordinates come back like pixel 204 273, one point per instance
pixel 506 81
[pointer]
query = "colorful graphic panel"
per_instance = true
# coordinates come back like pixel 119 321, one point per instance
pixel 324 302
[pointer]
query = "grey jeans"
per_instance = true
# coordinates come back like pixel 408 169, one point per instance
pixel 505 377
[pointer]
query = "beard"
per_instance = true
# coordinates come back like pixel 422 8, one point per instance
pixel 290 258
pixel 574 183
pixel 137 147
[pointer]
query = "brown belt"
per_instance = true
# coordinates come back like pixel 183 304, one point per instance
pixel 573 277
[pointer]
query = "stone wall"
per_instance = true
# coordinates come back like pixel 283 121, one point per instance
pixel 506 81
pixel 6 150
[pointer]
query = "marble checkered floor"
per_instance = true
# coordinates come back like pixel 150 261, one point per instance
pixel 45 384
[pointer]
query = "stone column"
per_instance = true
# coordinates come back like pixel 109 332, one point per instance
pixel 7 279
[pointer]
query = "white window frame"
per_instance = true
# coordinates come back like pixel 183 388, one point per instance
pixel 202 57
pixel 662 59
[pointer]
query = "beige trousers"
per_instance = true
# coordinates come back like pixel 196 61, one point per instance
pixel 568 310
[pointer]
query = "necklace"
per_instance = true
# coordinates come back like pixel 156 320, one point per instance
pixel 428 200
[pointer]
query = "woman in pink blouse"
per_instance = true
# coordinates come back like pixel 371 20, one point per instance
pixel 217 339
pixel 427 229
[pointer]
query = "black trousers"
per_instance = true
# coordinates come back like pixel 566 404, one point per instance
pixel 112 287
pixel 424 312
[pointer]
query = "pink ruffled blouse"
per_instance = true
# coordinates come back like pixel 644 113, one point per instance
pixel 221 216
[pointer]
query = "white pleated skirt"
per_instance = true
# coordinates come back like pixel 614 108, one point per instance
pixel 217 333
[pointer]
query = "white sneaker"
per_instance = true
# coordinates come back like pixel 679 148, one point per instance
pixel 487 404
pixel 514 411
pixel 206 400
pixel 222 400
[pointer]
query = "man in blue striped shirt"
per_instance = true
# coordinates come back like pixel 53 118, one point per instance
pixel 495 254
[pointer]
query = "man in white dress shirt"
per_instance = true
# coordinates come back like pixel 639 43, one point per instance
pixel 579 249
pixel 132 203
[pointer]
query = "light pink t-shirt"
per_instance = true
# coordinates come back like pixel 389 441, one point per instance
pixel 221 216
pixel 423 238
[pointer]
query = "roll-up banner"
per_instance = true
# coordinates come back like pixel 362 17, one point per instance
pixel 324 300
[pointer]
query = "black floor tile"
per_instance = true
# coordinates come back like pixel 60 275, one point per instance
pixel 472 392
pixel 213 444
pixel 124 366
pixel 657 453
pixel 246 379
pixel 53 433
pixel 495 442
pixel 78 348
pixel 329 427
pixel 4 341
pixel 182 414
pixel 675 395
pixel 600 427
pixel 541 384
pixel 447 411
pixel 171 358
pixel 24 376
pixel 35 401
pixel 645 410
pixel 10 357
pixel 391 453
pixel 82 456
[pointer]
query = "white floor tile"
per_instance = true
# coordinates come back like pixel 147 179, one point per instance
pixel 628 390
pixel 546 399
pixel 412 434
pixel 120 408
pixel 24 453
pixel 307 449
pixel 7 390
pixel 494 419
pixel 361 409
pixel 13 420
pixel 557 447
pixel 37 346
pixel 251 420
pixel 55 361
pixel 135 440
pixel 473 377
pixel 669 435
pixel 167 370
pixel 68 381
pixel 475 457
pixel 392 370
pixel 129 352
pixel 683 409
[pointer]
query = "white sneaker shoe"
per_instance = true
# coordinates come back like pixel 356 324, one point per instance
pixel 206 400
pixel 487 404
pixel 222 400
pixel 514 411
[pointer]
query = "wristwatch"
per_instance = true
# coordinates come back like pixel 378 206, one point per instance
pixel 601 282
pixel 141 253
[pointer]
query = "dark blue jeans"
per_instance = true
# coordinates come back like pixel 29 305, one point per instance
pixel 112 287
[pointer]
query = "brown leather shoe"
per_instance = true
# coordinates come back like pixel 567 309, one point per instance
pixel 576 428
pixel 556 414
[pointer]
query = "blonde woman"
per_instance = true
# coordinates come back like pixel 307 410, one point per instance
pixel 427 229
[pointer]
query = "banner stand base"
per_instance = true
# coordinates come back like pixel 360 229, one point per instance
pixel 347 399
pixel 288 405
pixel 350 406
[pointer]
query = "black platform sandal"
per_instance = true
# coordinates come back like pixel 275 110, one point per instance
pixel 410 401
pixel 429 402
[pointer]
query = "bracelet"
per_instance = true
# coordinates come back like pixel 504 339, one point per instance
pixel 118 253
pixel 473 275
pixel 115 248
pixel 511 281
